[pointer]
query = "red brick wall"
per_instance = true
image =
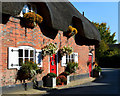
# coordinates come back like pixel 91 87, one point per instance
pixel 13 35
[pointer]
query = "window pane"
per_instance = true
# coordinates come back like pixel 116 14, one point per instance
pixel 66 60
pixel 31 53
pixel 72 56
pixel 20 52
pixel 24 10
pixel 26 59
pixel 26 53
pixel 69 56
pixel 25 6
pixel 20 61
pixel 72 60
pixel 31 59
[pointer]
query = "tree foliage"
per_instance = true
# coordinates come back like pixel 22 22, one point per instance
pixel 105 33
pixel 104 51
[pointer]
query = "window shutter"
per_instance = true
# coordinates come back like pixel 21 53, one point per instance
pixel 76 57
pixel 63 62
pixel 39 57
pixel 13 58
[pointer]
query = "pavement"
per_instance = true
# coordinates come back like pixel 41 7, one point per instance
pixel 44 90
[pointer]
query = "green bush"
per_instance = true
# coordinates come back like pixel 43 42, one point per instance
pixel 110 61
pixel 71 67
pixel 65 73
pixel 58 81
pixel 39 71
pixel 51 75
pixel 27 71
pixel 63 78
pixel 98 68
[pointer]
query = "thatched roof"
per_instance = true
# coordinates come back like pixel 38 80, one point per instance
pixel 58 16
pixel 12 8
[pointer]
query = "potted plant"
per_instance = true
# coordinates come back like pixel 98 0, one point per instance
pixel 66 74
pixel 31 19
pixel 66 50
pixel 58 81
pixel 96 71
pixel 51 80
pixel 49 49
pixel 28 71
pixel 71 67
pixel 61 80
pixel 71 31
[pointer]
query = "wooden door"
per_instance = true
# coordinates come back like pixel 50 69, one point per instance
pixel 53 66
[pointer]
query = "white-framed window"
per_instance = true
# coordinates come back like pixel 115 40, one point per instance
pixel 28 8
pixel 19 55
pixel 69 58
pixel 26 53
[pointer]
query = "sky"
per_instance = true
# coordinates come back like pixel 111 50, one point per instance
pixel 106 12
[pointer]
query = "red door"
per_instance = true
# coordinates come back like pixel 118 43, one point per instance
pixel 90 65
pixel 53 64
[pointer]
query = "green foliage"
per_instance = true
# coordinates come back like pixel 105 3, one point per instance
pixel 102 49
pixel 63 78
pixel 98 68
pixel 65 73
pixel 39 71
pixel 52 75
pixel 110 61
pixel 105 33
pixel 106 38
pixel 58 81
pixel 27 71
pixel 71 67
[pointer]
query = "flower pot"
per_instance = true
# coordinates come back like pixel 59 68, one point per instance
pixel 68 79
pixel 96 73
pixel 51 82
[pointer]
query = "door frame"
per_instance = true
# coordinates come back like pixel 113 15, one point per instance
pixel 56 56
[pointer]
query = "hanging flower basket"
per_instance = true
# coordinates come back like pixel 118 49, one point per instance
pixel 71 31
pixel 49 49
pixel 66 50
pixel 31 19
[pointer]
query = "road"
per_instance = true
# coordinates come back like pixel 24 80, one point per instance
pixel 108 84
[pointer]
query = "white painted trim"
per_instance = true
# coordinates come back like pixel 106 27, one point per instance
pixel 90 54
pixel 57 63
pixel 49 64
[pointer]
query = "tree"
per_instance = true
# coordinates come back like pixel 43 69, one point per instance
pixel 106 38
pixel 105 33
pixel 101 51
